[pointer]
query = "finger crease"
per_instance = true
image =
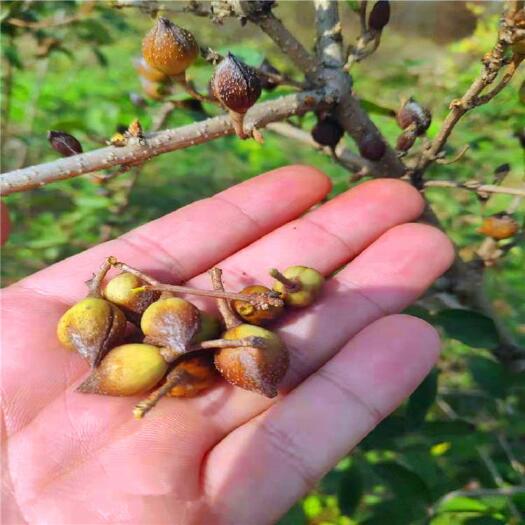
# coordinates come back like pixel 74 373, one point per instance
pixel 343 387
pixel 331 234
pixel 241 211
pixel 288 449
pixel 354 288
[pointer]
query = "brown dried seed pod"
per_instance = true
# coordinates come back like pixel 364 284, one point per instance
pixel 499 226
pixel 379 15
pixel 170 323
pixel 92 327
pixel 122 291
pixel 64 143
pixel 194 376
pixel 327 132
pixel 153 90
pixel 406 140
pixel 147 72
pixel 256 368
pixel 253 315
pixel 236 85
pixel 169 48
pixel 127 370
pixel 413 114
pixel 372 147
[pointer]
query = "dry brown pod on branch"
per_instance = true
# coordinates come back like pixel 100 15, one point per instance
pixel 169 48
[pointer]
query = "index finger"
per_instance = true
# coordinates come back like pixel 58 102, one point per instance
pixel 190 240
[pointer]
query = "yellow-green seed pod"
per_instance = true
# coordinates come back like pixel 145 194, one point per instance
pixel 170 323
pixel 124 291
pixel 309 282
pixel 92 327
pixel 127 370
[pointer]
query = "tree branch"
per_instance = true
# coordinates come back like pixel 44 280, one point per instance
pixel 157 143
pixel 288 44
pixel 467 283
pixel 348 111
pixel 493 62
pixel 343 155
pixel 329 38
pixel 475 186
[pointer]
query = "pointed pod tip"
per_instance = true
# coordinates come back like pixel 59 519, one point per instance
pixel 89 385
pixel 138 412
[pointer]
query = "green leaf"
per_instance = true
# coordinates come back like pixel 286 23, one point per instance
pixel 419 311
pixel 353 5
pixel 447 430
pixel 462 504
pixel 351 490
pixel 489 375
pixel 421 400
pixel 12 56
pixel 372 107
pixel 295 516
pixel 469 327
pixel 405 483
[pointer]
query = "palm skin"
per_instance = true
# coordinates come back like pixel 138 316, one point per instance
pixel 229 456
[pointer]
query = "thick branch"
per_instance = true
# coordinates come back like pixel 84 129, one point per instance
pixel 162 142
pixel 358 125
pixel 329 38
pixel 275 29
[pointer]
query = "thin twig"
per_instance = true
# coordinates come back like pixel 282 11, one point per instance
pixel 493 62
pixel 43 24
pixel 344 156
pixel 157 143
pixel 229 317
pixel 475 186
pixel 262 300
pixel 229 343
pixel 152 7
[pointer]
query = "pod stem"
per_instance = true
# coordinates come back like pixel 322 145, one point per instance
pixel 144 406
pixel 289 284
pixel 95 283
pixel 261 301
pixel 255 341
pixel 129 269
pixel 188 86
pixel 230 319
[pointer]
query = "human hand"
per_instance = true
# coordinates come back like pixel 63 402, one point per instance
pixel 228 456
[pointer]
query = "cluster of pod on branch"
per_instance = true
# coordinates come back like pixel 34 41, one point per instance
pixel 169 50
pixel 414 120
pixel 140 337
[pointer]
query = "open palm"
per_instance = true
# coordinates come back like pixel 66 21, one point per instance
pixel 228 456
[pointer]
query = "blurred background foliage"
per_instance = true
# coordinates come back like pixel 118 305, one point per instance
pixel 451 454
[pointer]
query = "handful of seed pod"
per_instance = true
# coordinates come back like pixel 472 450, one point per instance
pixel 184 350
